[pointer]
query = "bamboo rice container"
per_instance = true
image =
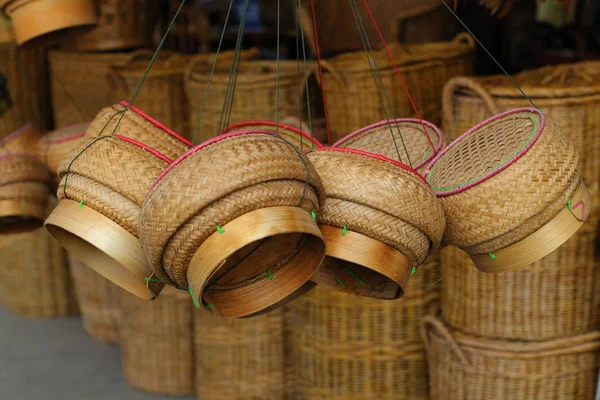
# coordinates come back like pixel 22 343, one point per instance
pixel 239 358
pixel 522 158
pixel 54 147
pixel 98 300
pixel 239 234
pixel 380 221
pixel 157 343
pixel 465 367
pixel 35 276
pixel 103 184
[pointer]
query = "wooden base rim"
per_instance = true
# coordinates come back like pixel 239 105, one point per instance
pixel 543 241
pixel 103 245
pixel 61 18
pixel 363 266
pixel 19 216
pixel 257 226
pixel 307 287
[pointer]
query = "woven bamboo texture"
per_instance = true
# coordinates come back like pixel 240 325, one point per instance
pixel 122 24
pixel 515 146
pixel 22 141
pixel 353 100
pixel 216 193
pixel 255 93
pixel 98 300
pixel 35 276
pixel 55 147
pixel 162 95
pixel 239 358
pixel 157 343
pixel 345 347
pixel 79 86
pixel 25 69
pixel 464 367
pixel 556 297
pixel 403 140
pixel 568 94
pixel 301 139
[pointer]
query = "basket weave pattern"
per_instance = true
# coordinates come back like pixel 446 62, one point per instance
pixel 54 147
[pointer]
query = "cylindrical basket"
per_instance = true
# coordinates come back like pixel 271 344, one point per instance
pixel 380 220
pixel 403 140
pixel 511 190
pixel 48 21
pixel 300 139
pixel 98 300
pixel 24 190
pixel 239 358
pixel 54 147
pixel 465 367
pixel 157 343
pixel 239 234
pixel 121 25
pixel 103 184
pixel 35 276
pixel 353 100
pixel 345 347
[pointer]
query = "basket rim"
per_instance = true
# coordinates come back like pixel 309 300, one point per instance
pixel 149 149
pixel 202 146
pixel 443 192
pixel 16 133
pixel 19 155
pixel 47 137
pixel 428 124
pixel 305 135
pixel 156 123
pixel 378 157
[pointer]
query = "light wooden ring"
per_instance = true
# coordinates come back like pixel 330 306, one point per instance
pixel 383 270
pixel 543 241
pixel 19 217
pixel 103 245
pixel 209 260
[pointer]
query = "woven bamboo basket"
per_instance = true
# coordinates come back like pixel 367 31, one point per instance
pixel 522 158
pixel 121 25
pixel 23 140
pixel 555 297
pixel 157 343
pixel 26 70
pixel 403 140
pixel 103 184
pixel 54 147
pixel 24 190
pixel 162 95
pixel 568 94
pixel 239 232
pixel 98 300
pixel 374 242
pixel 465 367
pixel 353 100
pixel 300 139
pixel 239 358
pixel 56 23
pixel 255 92
pixel 345 347
pixel 35 276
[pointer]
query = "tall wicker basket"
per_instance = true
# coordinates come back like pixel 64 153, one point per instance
pixel 157 342
pixel 35 276
pixel 239 358
pixel 353 100
pixel 345 347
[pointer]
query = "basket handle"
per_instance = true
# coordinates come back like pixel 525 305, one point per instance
pixel 463 82
pixel 466 38
pixel 410 13
pixel 430 324
pixel 208 59
pixel 327 66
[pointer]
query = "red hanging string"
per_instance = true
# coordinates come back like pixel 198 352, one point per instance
pixel 389 53
pixel 312 4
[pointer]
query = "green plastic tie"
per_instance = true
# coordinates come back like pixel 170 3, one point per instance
pixel 81 203
pixel 153 280
pixel 352 274
pixel 23 204
pixel 492 256
pixel 314 215
pixel 569 205
pixel 211 306
pixel 220 230
pixel 344 230
pixel 194 298
pixel 339 281
pixel 270 277
pixel 413 270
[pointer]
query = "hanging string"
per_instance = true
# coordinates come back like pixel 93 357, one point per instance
pixel 389 53
pixel 318 46
pixel 376 73
pixel 489 54
pixel 310 126
pixel 212 73
pixel 277 82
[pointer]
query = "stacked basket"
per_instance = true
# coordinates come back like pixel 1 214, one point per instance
pixel 528 306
